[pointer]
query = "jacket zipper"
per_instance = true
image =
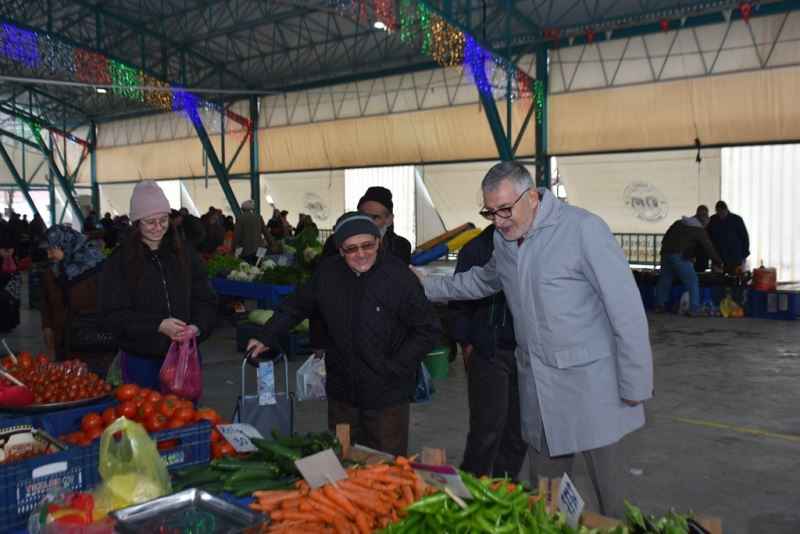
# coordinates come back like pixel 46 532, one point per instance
pixel 164 281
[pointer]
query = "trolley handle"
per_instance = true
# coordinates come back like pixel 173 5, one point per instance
pixel 272 354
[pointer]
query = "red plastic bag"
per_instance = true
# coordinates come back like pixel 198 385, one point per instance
pixel 180 373
pixel 9 266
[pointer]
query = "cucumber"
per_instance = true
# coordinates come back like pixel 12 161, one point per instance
pixel 276 449
pixel 253 474
pixel 200 477
pixel 186 471
pixel 294 442
pixel 213 487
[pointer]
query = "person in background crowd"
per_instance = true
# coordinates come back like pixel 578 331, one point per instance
pixel 485 331
pixel 584 363
pixel 10 281
pixel 26 227
pixel 36 230
pixel 301 222
pixel 701 259
pixel 15 229
pixel 679 248
pixel 229 224
pixel 153 289
pixel 215 233
pixel 275 225
pixel 70 286
pixel 729 235
pixel 381 327
pixel 89 223
pixel 188 226
pixel 107 222
pixel 287 228
pixel 309 223
pixel 251 233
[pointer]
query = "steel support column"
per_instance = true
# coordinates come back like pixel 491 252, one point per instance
pixel 542 156
pixel 66 187
pixel 495 124
pixel 23 185
pixel 93 169
pixel 255 176
pixel 219 168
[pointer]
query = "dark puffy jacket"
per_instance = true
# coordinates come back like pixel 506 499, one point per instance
pixel 730 238
pixel 686 236
pixel 486 323
pixel 380 326
pixel 134 316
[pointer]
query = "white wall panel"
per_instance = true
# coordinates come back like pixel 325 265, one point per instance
pixel 318 193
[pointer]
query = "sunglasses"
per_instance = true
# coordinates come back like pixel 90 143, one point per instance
pixel 503 213
pixel 366 247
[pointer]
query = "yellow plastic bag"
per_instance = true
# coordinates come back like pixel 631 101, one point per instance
pixel 130 466
pixel 729 308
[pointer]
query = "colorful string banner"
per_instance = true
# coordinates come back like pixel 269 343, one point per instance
pixel 43 53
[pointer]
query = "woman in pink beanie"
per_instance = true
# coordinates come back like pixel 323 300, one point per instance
pixel 153 289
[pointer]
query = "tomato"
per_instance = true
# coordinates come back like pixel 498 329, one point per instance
pixel 126 392
pixel 209 414
pixel 167 374
pixel 25 360
pixel 227 449
pixel 168 444
pixel 184 413
pixel 216 451
pixel 126 409
pixel 138 399
pixel 155 422
pixel 90 421
pixel 167 407
pixel 41 359
pixel 176 422
pixel 145 410
pixel 94 433
pixel 109 416
pixel 153 396
pixel 215 435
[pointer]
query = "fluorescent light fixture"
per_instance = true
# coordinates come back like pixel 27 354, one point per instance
pixel 379 25
pixel 102 90
pixel 269 200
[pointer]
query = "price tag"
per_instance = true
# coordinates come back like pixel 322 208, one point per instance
pixel 239 434
pixel 569 502
pixel 444 477
pixel 261 252
pixel 321 468
pixel 266 383
pixel 283 260
pixel 237 252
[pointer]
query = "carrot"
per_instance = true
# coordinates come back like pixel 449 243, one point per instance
pixel 340 500
pixel 280 515
pixel 419 488
pixel 408 494
pixel 362 524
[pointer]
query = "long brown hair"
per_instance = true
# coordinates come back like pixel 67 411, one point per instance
pixel 135 250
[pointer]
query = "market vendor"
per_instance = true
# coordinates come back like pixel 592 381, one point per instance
pixel 153 288
pixel 584 363
pixel 380 327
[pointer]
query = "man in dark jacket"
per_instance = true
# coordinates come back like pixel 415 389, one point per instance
pixel 729 235
pixel 678 249
pixel 485 331
pixel 377 203
pixel 380 324
pixel 189 226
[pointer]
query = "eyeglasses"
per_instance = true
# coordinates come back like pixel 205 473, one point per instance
pixel 152 223
pixel 503 213
pixel 365 247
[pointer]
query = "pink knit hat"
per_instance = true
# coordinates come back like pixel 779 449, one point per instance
pixel 147 199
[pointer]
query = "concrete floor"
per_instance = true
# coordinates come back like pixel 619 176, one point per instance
pixel 721 436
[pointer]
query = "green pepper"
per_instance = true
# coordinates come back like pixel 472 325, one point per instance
pixel 429 504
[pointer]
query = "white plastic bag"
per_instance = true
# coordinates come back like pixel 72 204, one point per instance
pixel 311 379
pixel 685 304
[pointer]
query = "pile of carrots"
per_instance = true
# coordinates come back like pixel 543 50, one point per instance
pixel 369 499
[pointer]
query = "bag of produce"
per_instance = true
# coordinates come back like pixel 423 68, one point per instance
pixel 180 373
pixel 130 466
pixel 311 379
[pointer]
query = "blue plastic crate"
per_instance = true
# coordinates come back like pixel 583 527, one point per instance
pixel 784 305
pixel 24 483
pixel 68 421
pixel 193 448
pixel 648 294
pixel 275 294
pixel 674 297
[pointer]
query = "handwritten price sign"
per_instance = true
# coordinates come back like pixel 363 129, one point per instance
pixel 238 435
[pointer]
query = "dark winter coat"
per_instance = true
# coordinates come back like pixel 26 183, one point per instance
pixel 730 238
pixel 687 237
pixel 380 326
pixel 486 324
pixel 133 316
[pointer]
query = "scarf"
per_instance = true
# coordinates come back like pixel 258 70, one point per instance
pixel 80 256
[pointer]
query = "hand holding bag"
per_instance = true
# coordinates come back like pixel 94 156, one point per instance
pixel 180 373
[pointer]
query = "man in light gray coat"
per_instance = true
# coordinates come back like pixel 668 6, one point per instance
pixel 583 352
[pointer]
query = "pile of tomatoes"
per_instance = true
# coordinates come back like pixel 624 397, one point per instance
pixel 149 408
pixel 53 382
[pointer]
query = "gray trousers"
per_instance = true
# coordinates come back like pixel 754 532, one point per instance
pixel 607 466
